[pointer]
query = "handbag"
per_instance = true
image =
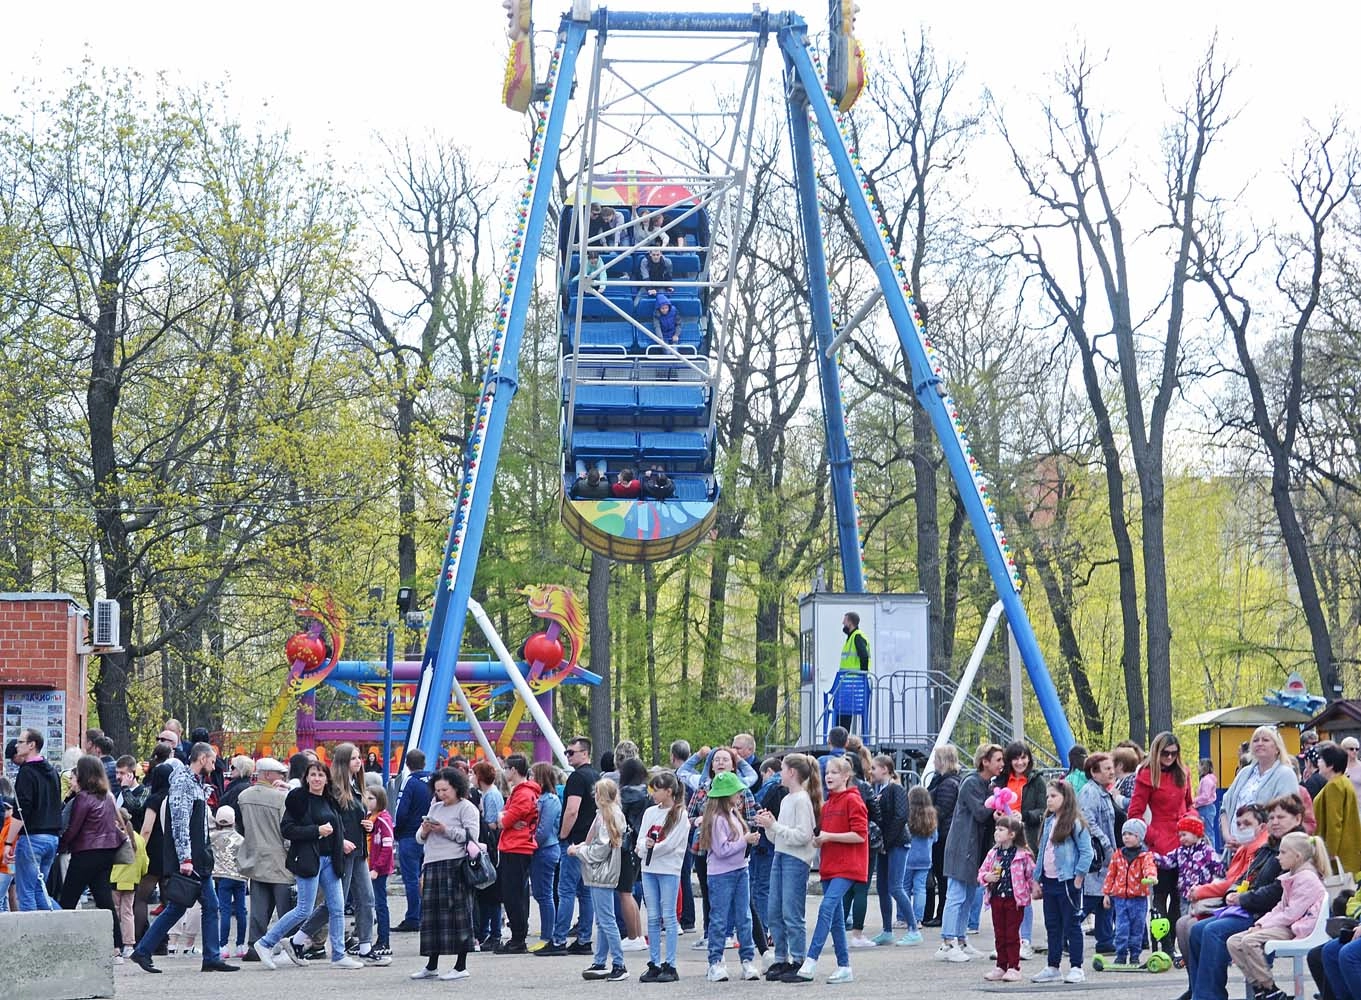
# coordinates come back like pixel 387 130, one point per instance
pixel 126 853
pixel 1338 881
pixel 478 871
pixel 182 890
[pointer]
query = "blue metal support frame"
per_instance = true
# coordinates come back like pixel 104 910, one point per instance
pixel 833 413
pixel 793 39
pixel 450 614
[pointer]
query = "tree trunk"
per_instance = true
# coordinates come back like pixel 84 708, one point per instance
pixel 718 592
pixel 598 605
pixel 654 727
pixel 950 603
pixel 1060 606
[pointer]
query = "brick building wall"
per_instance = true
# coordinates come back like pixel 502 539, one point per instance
pixel 40 638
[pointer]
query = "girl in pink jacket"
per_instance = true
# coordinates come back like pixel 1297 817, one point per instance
pixel 1007 874
pixel 1303 897
pixel 382 843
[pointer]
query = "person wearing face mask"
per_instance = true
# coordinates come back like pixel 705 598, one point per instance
pixel 1207 953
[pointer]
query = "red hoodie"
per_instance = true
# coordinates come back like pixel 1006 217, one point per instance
pixel 519 818
pixel 1168 803
pixel 844 812
pixel 381 842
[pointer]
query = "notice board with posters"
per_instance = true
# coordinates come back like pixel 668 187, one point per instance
pixel 44 711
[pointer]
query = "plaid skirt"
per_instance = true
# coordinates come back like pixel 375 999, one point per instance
pixel 446 909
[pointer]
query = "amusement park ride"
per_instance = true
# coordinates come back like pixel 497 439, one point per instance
pixel 639 388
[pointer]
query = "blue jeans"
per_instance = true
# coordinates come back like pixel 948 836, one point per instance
pixel 543 872
pixel 759 865
pixel 5 879
pixel 788 896
pixel 1027 921
pixel 914 884
pixel 730 912
pixel 1207 959
pixel 382 915
pixel 975 909
pixel 33 857
pixel 328 882
pixel 831 919
pixel 1130 915
pixel 160 927
pixel 410 857
pixel 1105 922
pixel 1342 964
pixel 1062 900
pixel 607 941
pixel 569 889
pixel 892 888
pixel 1209 815
pixel 231 901
pixel 959 897
pixel 659 891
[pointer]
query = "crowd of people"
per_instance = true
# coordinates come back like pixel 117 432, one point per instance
pixel 286 851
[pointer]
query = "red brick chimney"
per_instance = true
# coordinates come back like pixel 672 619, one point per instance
pixel 43 669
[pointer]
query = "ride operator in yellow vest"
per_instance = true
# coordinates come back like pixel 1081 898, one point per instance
pixel 855 655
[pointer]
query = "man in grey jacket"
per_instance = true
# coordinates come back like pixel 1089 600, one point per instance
pixel 261 858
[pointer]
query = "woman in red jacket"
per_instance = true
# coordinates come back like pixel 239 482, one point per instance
pixel 844 840
pixel 1162 787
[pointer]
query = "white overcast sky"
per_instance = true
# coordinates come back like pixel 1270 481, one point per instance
pixel 335 73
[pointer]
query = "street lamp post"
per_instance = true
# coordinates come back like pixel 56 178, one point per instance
pixel 387 704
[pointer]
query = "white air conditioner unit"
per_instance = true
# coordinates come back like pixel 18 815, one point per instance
pixel 104 626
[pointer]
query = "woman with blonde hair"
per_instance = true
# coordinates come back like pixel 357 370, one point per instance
pixel 601 856
pixel 1269 775
pixel 944 789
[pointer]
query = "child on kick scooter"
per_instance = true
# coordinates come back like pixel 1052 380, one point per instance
pixel 1126 891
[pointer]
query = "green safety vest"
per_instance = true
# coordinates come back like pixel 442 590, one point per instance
pixel 850 659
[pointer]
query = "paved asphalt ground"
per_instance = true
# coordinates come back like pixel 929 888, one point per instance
pixel 887 973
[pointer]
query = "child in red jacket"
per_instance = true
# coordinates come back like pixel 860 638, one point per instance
pixel 382 844
pixel 1133 871
pixel 844 841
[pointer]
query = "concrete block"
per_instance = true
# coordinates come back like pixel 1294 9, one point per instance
pixel 56 955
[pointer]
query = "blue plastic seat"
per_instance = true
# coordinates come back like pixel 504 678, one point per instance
pixel 674 449
pixel 606 400
pixel 611 446
pixel 607 334
pixel 691 487
pixel 684 263
pixel 592 308
pixel 674 399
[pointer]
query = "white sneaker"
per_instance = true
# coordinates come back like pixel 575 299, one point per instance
pixel 958 953
pixel 718 973
pixel 127 951
pixel 1075 975
pixel 1048 974
pixel 1027 952
pixel 633 944
pixel 424 973
pixel 347 962
pixel 943 953
pixel 971 951
pixel 265 955
pixel 808 969
pixel 701 943
pixel 749 972
pixel 732 941
pixel 453 974
pixel 859 941
pixel 841 975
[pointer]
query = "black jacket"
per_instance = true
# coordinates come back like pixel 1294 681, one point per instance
pixel 944 789
pixel 351 818
pixel 1264 879
pixel 304 813
pixel 893 815
pixel 37 789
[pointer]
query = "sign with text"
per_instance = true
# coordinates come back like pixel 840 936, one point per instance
pixel 44 711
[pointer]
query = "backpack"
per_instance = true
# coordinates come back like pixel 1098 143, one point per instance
pixel 876 834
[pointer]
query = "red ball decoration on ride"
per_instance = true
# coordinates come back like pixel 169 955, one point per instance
pixel 544 650
pixel 307 648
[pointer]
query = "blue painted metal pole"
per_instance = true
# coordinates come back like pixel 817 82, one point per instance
pixel 461 551
pixel 833 413
pixel 387 703
pixel 794 43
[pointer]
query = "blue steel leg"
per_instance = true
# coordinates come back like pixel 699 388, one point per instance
pixel 794 42
pixel 470 512
pixel 833 414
